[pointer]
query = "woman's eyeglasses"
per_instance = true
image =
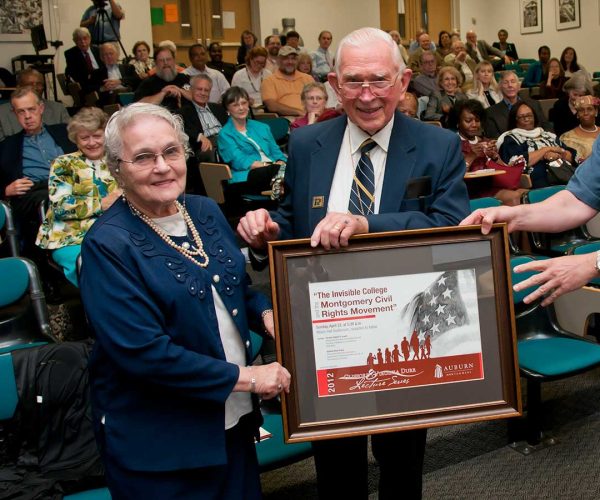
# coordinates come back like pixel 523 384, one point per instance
pixel 147 160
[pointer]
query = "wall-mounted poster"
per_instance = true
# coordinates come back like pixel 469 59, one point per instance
pixel 567 14
pixel 17 17
pixel 530 12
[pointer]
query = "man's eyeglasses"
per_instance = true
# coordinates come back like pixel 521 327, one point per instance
pixel 147 160
pixel 379 88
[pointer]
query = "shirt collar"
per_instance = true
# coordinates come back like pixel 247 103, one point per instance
pixel 358 136
pixel 39 134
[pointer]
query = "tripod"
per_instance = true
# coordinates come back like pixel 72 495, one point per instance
pixel 102 17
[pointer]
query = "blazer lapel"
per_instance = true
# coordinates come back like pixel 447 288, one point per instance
pixel 323 161
pixel 399 166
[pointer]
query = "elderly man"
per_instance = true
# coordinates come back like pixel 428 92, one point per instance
pixel 199 57
pixel 480 50
pixel 496 116
pixel 415 58
pixel 321 58
pixel 281 91
pixel 82 59
pixel 462 61
pixel 413 179
pixel 573 207
pixel 54 112
pixel 166 87
pixel 202 121
pixel 25 160
pixel 425 83
pixel 112 78
pixel 272 44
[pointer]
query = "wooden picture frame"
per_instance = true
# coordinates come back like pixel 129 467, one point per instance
pixel 530 16
pixel 333 307
pixel 568 14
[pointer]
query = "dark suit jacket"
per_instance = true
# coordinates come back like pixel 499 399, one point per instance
pixel 158 372
pixel 77 69
pixel 11 153
pixel 192 124
pixel 416 150
pixel 485 49
pixel 496 118
pixel 129 77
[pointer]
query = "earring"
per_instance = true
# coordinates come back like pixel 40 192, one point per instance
pixel 117 170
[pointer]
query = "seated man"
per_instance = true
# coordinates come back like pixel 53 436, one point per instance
pixel 321 58
pixel 272 44
pixel 54 112
pixel 496 116
pixel 480 50
pixel 415 57
pixel 281 91
pixel 25 160
pixel 215 51
pixel 462 61
pixel 166 87
pixel 82 59
pixel 425 83
pixel 199 58
pixel 112 78
pixel 202 123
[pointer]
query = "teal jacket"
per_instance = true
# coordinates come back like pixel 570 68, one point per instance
pixel 237 151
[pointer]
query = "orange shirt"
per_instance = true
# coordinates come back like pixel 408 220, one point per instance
pixel 285 90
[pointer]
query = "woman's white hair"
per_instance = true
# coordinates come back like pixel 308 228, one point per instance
pixel 363 38
pixel 118 122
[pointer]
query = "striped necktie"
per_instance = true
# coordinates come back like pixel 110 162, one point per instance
pixel 362 197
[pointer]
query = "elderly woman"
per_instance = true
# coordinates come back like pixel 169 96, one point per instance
pixel 526 138
pixel 582 137
pixel 248 41
pixel 505 46
pixel 248 145
pixel 164 287
pixel 485 88
pixel 314 100
pixel 553 80
pixel 142 61
pixel 440 105
pixel 563 114
pixel 251 77
pixel 80 189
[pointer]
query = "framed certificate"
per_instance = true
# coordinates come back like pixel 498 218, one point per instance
pixel 396 331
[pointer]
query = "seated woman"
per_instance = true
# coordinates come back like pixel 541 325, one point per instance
pixel 481 153
pixel 164 284
pixel 568 60
pixel 248 40
pixel 527 139
pixel 314 100
pixel 408 105
pixel 80 189
pixel 553 80
pixel 485 87
pixel 251 77
pixel 440 105
pixel 582 137
pixel 248 145
pixel 304 64
pixel 563 114
pixel 508 48
pixel 142 61
pixel 444 46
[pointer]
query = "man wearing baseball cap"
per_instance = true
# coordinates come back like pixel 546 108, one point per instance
pixel 281 91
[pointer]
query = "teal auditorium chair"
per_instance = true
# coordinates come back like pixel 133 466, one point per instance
pixel 8 231
pixel 554 244
pixel 593 246
pixel 273 452
pixel 490 202
pixel 23 312
pixel 546 353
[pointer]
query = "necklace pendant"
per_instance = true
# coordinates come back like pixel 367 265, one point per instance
pixel 185 245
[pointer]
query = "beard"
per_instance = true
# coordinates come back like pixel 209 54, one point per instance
pixel 167 74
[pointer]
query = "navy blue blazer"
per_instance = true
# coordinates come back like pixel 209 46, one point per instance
pixel 11 153
pixel 416 150
pixel 158 373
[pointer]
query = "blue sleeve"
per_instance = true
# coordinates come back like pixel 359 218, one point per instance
pixel 511 148
pixel 232 154
pixel 585 184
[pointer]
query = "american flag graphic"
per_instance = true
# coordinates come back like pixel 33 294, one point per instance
pixel 438 308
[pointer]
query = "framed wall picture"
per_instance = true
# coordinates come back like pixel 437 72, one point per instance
pixel 396 331
pixel 17 17
pixel 567 14
pixel 530 12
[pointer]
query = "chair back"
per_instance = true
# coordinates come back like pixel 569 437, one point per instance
pixel 487 202
pixel 16 280
pixel 126 98
pixel 546 105
pixel 524 93
pixel 593 246
pixel 213 176
pixel 8 387
pixel 280 128
pixel 8 229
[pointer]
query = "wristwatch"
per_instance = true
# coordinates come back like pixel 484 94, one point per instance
pixel 598 261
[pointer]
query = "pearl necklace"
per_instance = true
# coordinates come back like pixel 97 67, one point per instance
pixel 189 251
pixel 593 131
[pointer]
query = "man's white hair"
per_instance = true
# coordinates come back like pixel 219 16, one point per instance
pixel 363 38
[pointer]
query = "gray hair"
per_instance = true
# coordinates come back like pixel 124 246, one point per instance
pixel 118 122
pixel 364 37
pixel 311 86
pixel 86 119
pixel 108 45
pixel 505 74
pixel 579 81
pixel 201 76
pixel 80 33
